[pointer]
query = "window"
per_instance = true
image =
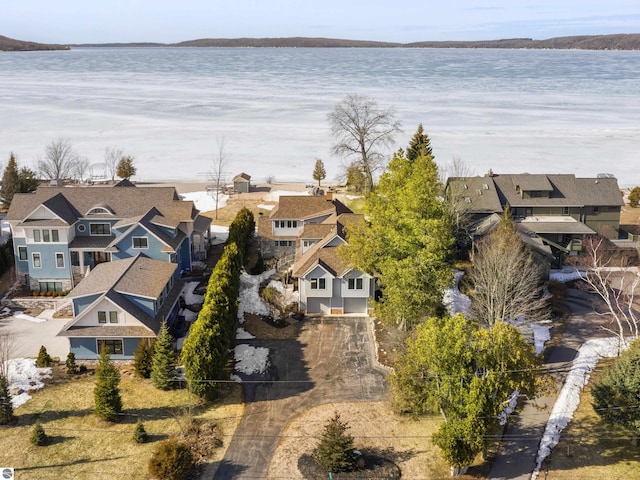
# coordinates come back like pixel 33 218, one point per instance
pixel 54 236
pixel 59 260
pixel 535 194
pixel 113 317
pixel 50 286
pixel 102 317
pixel 595 210
pixel 37 260
pixel 45 236
pixel 81 227
pixel 292 224
pixel 565 210
pixel 140 242
pixel 355 284
pixel 308 243
pixel 318 284
pixel 284 243
pixel 36 236
pixel 22 253
pixel 100 229
pixel 112 347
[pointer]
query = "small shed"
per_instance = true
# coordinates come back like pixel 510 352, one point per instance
pixel 241 183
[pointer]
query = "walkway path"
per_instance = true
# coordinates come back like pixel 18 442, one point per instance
pixel 331 361
pixel 519 448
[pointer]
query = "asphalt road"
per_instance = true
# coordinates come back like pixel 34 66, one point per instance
pixel 331 361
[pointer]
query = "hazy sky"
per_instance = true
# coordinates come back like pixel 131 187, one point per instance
pixel 86 21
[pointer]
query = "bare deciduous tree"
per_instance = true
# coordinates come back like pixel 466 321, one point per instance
pixel 361 129
pixel 80 168
pixel 59 160
pixel 607 274
pixel 7 345
pixel 506 279
pixel 112 156
pixel 218 173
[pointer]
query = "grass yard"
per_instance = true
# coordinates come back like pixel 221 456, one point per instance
pixel 84 447
pixel 590 449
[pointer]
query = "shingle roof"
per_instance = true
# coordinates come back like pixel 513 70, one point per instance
pixel 242 177
pixel 479 194
pixel 303 207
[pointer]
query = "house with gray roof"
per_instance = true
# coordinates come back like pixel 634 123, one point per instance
pixel 556 210
pixel 120 304
pixel 61 233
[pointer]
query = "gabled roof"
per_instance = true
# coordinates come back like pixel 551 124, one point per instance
pixel 479 194
pixel 303 207
pixel 242 177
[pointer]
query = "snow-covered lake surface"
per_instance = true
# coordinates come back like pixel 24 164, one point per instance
pixel 557 111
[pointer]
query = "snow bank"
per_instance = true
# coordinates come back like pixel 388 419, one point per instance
pixel 569 398
pixel 276 194
pixel 511 402
pixel 220 234
pixel 188 295
pixel 250 359
pixel 23 377
pixel 454 300
pixel 249 300
pixel 266 207
pixel 205 201
pixel 242 334
pixel 541 335
pixel 23 316
pixel 566 275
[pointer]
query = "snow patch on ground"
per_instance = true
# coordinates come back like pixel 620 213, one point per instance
pixel 242 334
pixel 276 194
pixel 23 376
pixel 266 207
pixel 541 335
pixel 205 201
pixel 569 397
pixel 250 360
pixel 511 402
pixel 250 301
pixel 566 275
pixel 23 316
pixel 454 299
pixel 188 295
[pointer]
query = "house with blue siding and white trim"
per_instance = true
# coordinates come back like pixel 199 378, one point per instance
pixel 121 303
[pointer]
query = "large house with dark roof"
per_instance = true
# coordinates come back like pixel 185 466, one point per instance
pixel 307 231
pixel 120 304
pixel 554 212
pixel 61 233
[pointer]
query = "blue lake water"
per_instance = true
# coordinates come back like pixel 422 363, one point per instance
pixel 508 110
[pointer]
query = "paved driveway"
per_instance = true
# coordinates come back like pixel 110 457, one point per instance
pixel 331 361
pixel 28 336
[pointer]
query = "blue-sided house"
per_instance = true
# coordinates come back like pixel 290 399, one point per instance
pixel 121 303
pixel 61 233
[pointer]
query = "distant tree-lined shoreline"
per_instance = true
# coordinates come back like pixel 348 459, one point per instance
pixel 627 41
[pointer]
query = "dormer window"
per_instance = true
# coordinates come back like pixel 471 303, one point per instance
pixel 100 210
pixel 140 242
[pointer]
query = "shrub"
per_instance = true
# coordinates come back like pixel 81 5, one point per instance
pixel 143 359
pixel 335 450
pixel 171 460
pixel 140 434
pixel 72 367
pixel 634 197
pixel 38 437
pixel 6 407
pixel 82 368
pixel 44 359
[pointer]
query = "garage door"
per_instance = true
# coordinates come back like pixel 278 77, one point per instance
pixel 355 305
pixel 318 305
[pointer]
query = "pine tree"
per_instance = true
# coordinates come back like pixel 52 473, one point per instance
pixel 140 434
pixel 106 393
pixel 38 436
pixel 72 367
pixel 335 452
pixel 10 180
pixel 143 359
pixel 6 407
pixel 164 359
pixel 319 173
pixel 44 359
pixel 419 146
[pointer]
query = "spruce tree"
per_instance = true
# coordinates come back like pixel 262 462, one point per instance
pixel 143 359
pixel 335 450
pixel 319 172
pixel 6 407
pixel 10 180
pixel 38 436
pixel 72 367
pixel 164 359
pixel 140 434
pixel 106 393
pixel 419 146
pixel 44 359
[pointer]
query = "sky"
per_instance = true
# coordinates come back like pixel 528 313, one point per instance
pixel 168 21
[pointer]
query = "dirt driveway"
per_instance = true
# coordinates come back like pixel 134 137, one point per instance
pixel 331 361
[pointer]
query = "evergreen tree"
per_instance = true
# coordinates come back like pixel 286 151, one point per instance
pixel 634 197
pixel 44 359
pixel 72 367
pixel 10 180
pixel 126 169
pixel 164 360
pixel 335 452
pixel 106 393
pixel 319 173
pixel 616 393
pixel 38 436
pixel 143 359
pixel 28 181
pixel 140 434
pixel 420 145
pixel 407 241
pixel 6 407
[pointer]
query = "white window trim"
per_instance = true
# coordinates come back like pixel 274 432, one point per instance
pixel 121 340
pixel 139 248
pixel 33 259
pixel 63 261
pixel 100 234
pixel 355 280
pixel 23 247
pixel 317 283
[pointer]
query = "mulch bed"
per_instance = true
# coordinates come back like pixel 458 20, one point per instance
pixel 266 328
pixel 375 468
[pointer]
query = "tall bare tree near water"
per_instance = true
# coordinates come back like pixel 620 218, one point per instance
pixel 59 160
pixel 218 171
pixel 361 130
pixel 112 156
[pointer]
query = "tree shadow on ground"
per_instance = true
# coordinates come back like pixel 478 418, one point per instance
pixel 226 470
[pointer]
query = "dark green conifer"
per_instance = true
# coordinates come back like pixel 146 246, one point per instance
pixel 106 393
pixel 164 360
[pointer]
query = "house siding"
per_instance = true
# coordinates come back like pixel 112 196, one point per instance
pixel 79 304
pixel 85 348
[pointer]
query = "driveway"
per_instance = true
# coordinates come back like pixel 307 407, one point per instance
pixel 27 336
pixel 331 361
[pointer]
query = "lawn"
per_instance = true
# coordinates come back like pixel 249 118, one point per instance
pixel 590 449
pixel 84 447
